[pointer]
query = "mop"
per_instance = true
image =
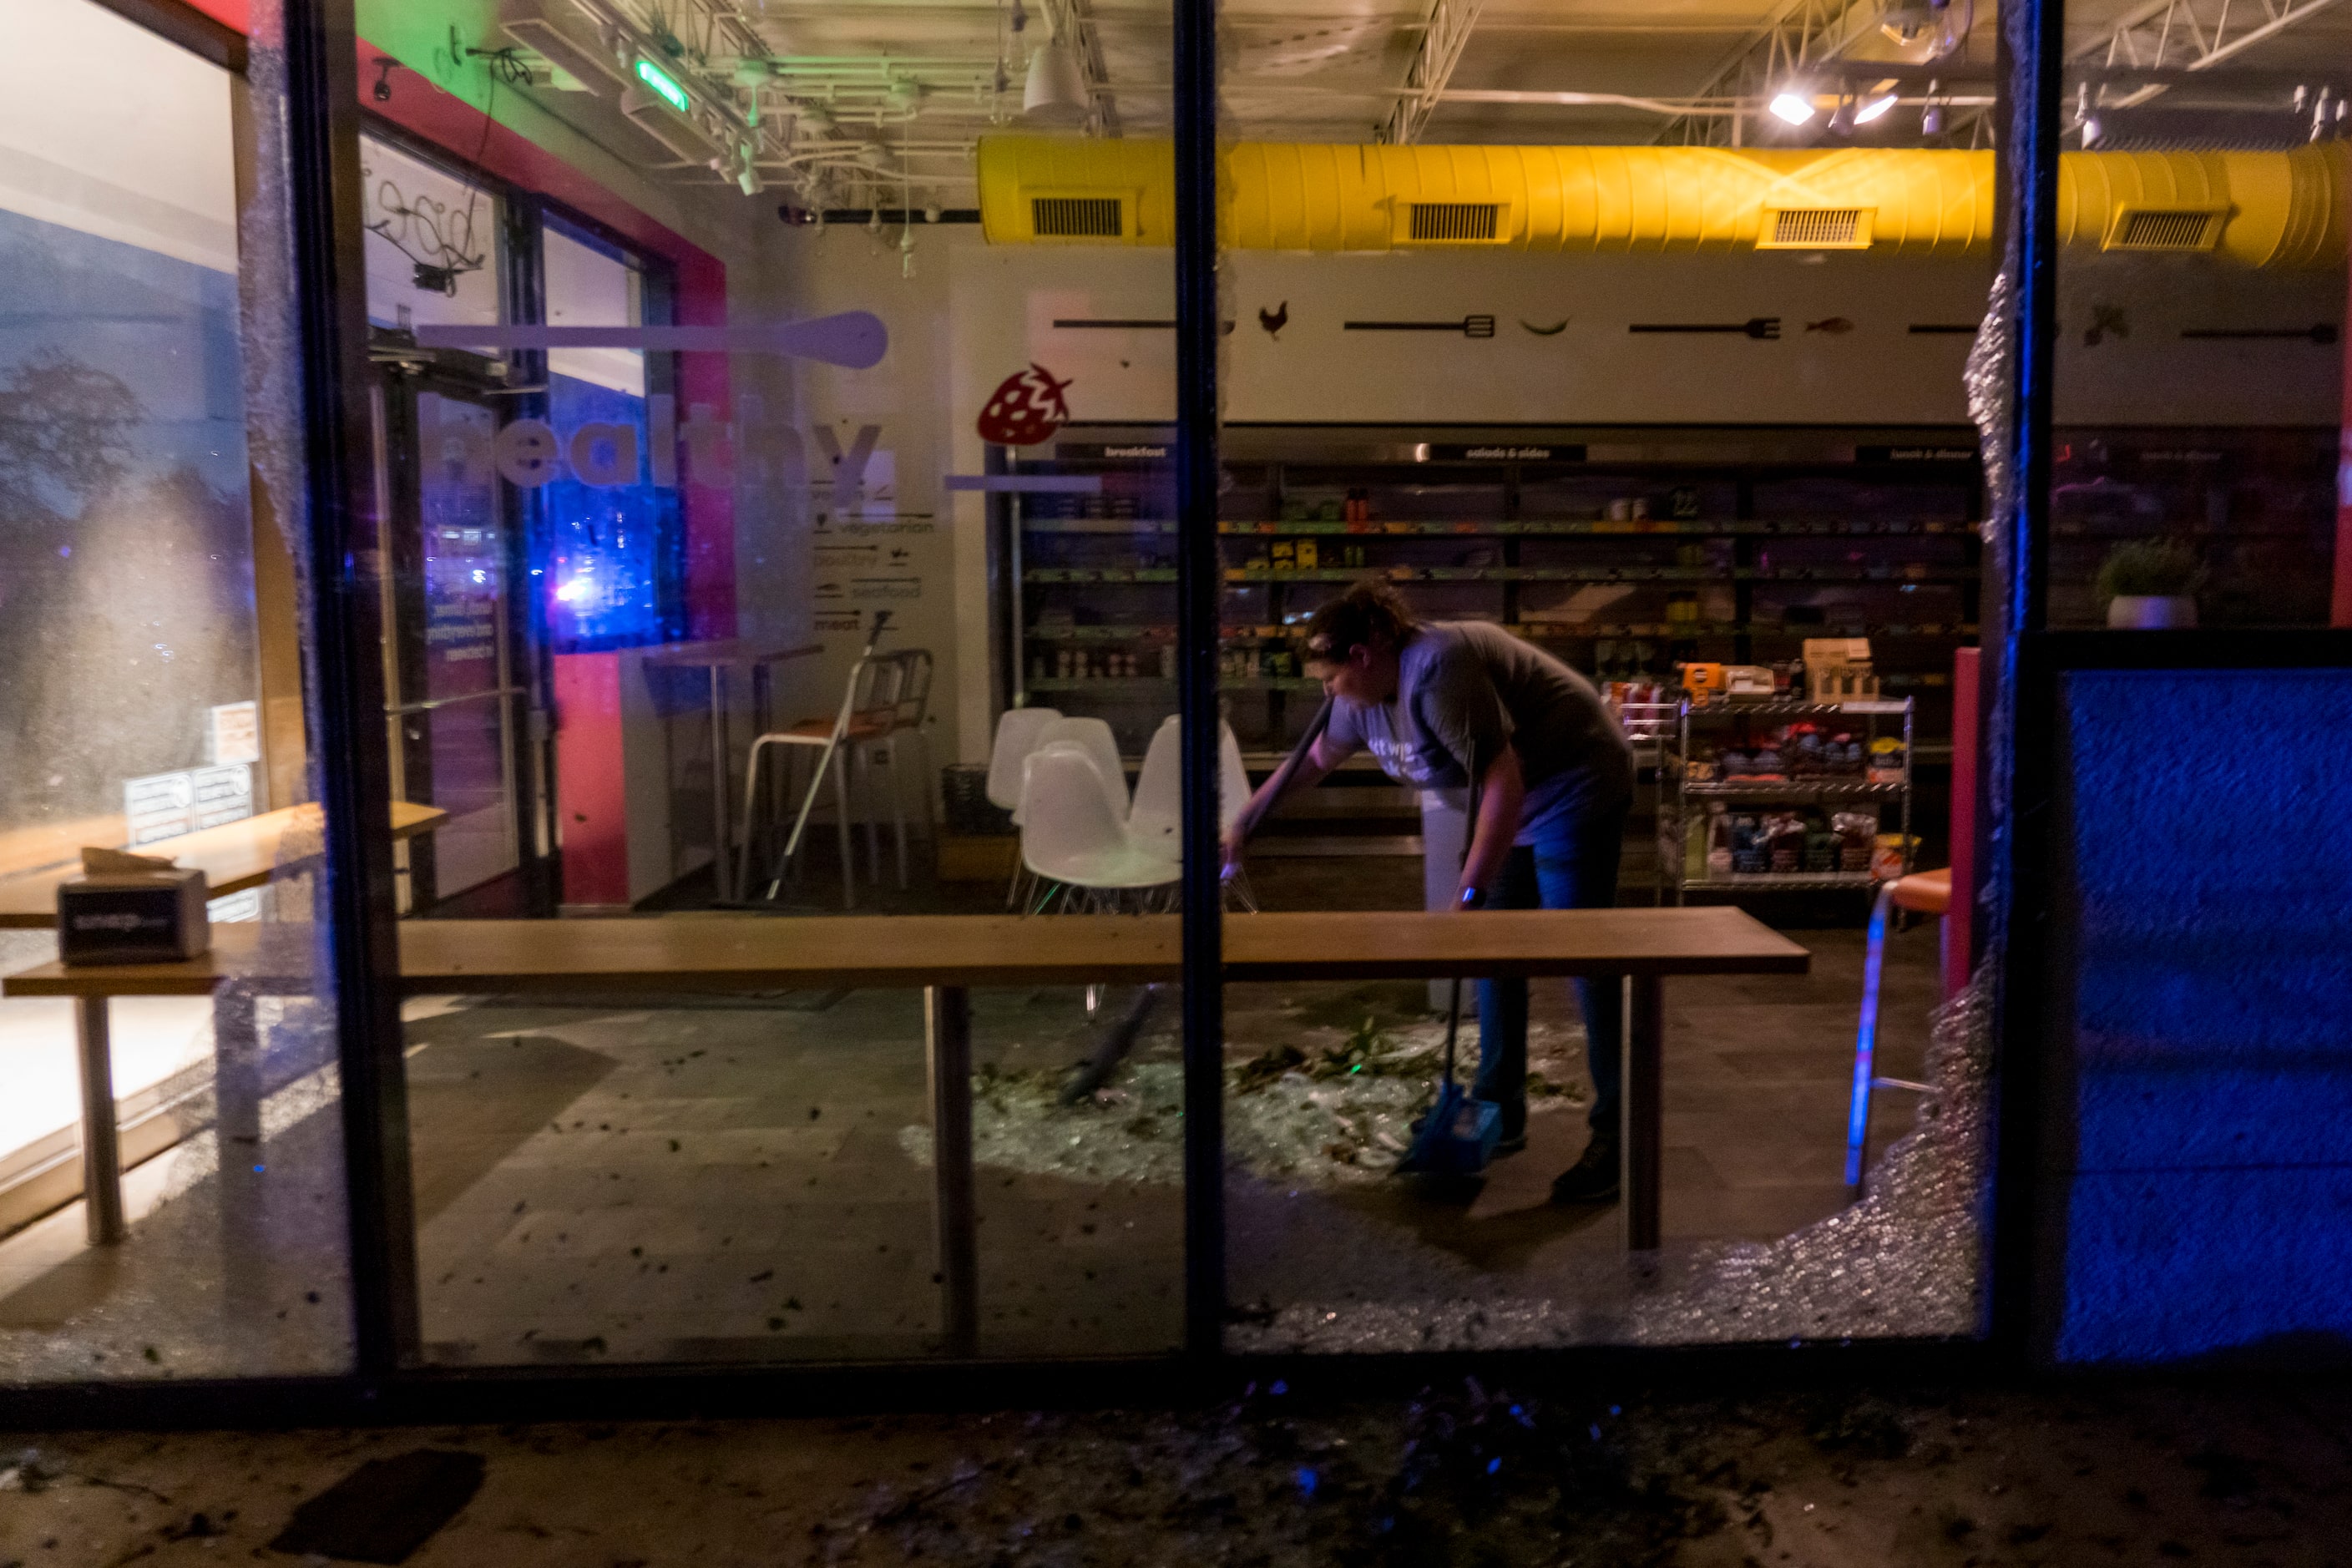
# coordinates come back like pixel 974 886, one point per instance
pixel 1120 1038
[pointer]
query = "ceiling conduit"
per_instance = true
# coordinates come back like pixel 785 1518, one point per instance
pixel 2256 209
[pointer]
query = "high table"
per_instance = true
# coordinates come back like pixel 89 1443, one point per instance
pixel 716 658
pixel 946 956
pixel 234 857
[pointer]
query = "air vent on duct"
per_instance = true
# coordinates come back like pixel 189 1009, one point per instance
pixel 1076 217
pixel 1455 223
pixel 2165 229
pixel 1815 228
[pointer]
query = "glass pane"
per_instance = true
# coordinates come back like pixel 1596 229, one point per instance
pixel 2200 371
pixel 1596 390
pixel 782 525
pixel 191 1222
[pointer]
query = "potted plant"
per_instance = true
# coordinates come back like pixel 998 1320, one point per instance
pixel 2150 584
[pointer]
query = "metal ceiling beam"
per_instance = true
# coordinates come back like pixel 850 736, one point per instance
pixel 1079 18
pixel 1802 35
pixel 2192 35
pixel 1443 35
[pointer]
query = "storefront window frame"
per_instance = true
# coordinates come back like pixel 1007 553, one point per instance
pixel 324 119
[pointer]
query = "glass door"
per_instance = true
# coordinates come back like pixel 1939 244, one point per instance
pixel 457 676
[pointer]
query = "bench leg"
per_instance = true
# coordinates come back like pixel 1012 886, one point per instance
pixel 101 1150
pixel 1643 1129
pixel 243 1160
pixel 948 1010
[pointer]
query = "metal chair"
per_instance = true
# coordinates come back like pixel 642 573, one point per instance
pixel 909 691
pixel 1922 892
pixel 869 709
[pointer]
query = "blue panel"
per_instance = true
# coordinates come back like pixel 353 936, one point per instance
pixel 2206 872
pixel 607 561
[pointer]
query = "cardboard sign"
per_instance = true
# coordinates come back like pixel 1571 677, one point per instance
pixel 236 732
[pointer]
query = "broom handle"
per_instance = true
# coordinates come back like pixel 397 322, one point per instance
pixel 1453 1014
pixel 1248 824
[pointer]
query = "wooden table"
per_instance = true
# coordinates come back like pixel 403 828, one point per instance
pixel 947 954
pixel 717 656
pixel 234 857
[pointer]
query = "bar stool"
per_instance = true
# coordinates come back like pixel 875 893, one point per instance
pixel 1922 893
pixel 869 709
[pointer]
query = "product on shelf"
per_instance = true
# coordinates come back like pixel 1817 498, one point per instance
pixel 1857 837
pixel 1306 555
pixel 1838 670
pixel 1887 760
pixel 1747 681
pixel 1892 855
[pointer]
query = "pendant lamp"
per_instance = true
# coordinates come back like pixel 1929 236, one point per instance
pixel 1056 91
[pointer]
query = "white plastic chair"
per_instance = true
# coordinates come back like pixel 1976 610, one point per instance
pixel 1102 746
pixel 1158 811
pixel 1017 730
pixel 1072 842
pixel 907 689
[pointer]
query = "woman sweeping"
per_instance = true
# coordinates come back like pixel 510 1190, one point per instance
pixel 1450 704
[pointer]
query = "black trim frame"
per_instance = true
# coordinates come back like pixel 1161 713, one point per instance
pixel 323 198
pixel 2016 565
pixel 1199 578
pixel 323 121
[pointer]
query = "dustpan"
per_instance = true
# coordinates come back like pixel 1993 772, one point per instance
pixel 1458 1135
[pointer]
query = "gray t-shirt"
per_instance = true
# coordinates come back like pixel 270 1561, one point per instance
pixel 1464 690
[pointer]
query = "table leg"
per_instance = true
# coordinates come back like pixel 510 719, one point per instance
pixel 101 1150
pixel 1644 1131
pixel 948 1009
pixel 721 870
pixel 243 1161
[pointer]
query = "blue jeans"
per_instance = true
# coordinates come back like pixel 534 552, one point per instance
pixel 1571 864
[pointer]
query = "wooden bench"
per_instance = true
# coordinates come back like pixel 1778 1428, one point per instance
pixel 234 857
pixel 946 956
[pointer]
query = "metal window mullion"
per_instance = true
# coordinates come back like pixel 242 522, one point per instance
pixel 2015 771
pixel 1198 583
pixel 320 155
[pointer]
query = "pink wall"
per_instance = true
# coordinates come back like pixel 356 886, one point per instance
pixel 592 800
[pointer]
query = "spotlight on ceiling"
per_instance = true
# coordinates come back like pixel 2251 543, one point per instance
pixel 1796 108
pixel 1874 108
pixel 1056 91
pixel 1931 118
pixel 1842 118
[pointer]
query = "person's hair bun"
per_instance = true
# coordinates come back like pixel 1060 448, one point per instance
pixel 1371 614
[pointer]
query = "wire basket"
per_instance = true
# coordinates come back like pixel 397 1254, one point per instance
pixel 971 814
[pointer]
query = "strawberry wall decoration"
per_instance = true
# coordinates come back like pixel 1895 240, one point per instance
pixel 1024 409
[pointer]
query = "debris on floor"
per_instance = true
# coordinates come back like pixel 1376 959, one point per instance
pixel 1326 1103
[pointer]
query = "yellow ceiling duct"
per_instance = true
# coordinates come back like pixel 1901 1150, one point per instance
pixel 2259 210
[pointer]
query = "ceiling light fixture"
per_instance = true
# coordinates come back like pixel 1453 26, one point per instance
pixel 1931 118
pixel 1874 109
pixel 1794 107
pixel 1056 91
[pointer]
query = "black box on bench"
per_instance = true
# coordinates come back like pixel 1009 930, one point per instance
pixel 147 917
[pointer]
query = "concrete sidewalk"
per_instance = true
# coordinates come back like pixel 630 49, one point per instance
pixel 2146 1475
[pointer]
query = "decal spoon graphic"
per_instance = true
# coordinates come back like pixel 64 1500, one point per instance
pixel 1468 326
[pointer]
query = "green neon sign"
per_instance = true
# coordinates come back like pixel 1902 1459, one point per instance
pixel 662 82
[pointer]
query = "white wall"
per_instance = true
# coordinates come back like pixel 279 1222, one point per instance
pixel 973 314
